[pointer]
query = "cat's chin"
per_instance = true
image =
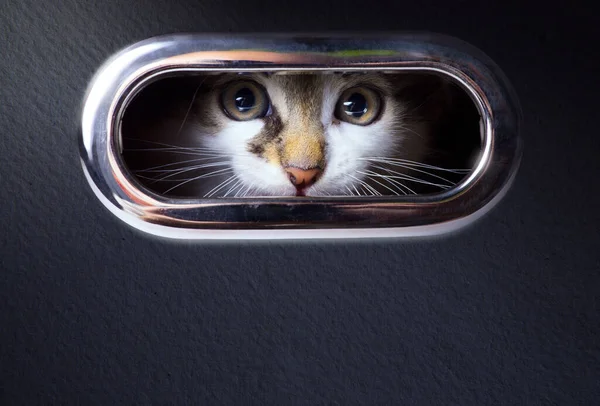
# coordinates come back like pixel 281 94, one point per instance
pixel 285 192
pixel 296 193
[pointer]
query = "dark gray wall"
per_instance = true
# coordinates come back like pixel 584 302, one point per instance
pixel 92 312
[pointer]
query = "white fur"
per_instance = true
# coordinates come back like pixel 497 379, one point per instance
pixel 255 173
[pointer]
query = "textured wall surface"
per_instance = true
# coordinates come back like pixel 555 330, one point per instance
pixel 93 312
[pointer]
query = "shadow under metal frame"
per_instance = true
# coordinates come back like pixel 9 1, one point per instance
pixel 129 71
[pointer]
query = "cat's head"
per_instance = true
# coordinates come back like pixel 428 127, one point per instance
pixel 305 134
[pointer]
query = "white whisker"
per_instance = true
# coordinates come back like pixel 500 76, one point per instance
pixel 233 187
pixel 409 177
pixel 401 186
pixel 410 163
pixel 391 179
pixel 207 175
pixel 171 149
pixel 364 184
pixel 187 113
pixel 250 187
pixel 221 185
pixel 165 144
pixel 188 152
pixel 155 168
pixel 239 189
pixel 191 168
pixel 391 190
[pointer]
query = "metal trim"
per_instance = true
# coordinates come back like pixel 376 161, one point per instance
pixel 276 218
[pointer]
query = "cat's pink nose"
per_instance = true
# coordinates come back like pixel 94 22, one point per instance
pixel 302 178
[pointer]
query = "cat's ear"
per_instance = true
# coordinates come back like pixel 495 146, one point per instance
pixel 428 97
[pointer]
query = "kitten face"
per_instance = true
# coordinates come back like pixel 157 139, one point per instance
pixel 303 134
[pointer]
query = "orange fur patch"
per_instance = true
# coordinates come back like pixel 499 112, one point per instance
pixel 303 150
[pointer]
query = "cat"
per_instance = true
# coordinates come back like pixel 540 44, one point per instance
pixel 300 134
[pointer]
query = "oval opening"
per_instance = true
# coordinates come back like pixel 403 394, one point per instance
pixel 201 135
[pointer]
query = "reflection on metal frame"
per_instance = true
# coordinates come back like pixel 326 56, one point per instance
pixel 275 218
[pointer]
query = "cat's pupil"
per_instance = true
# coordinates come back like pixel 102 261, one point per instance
pixel 355 105
pixel 245 100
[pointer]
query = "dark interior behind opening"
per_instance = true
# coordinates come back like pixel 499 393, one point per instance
pixel 156 115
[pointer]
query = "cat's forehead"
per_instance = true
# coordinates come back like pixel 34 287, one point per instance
pixel 308 94
pixel 310 83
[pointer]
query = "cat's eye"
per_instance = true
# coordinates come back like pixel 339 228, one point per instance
pixel 358 105
pixel 245 100
pixel 159 156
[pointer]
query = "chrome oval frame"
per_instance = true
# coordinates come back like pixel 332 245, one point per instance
pixel 278 217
